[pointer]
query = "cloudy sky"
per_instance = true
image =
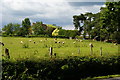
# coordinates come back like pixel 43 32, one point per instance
pixel 59 12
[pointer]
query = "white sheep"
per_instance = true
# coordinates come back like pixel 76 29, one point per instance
pixel 81 40
pixel 21 42
pixel 115 44
pixel 30 40
pixel 63 42
pixel 74 42
pixel 91 45
pixel 58 42
pixel 40 40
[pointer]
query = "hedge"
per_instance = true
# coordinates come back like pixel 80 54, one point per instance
pixel 71 68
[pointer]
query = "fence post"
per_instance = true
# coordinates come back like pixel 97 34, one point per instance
pixel 51 52
pixel 7 53
pixel 91 48
pixel 101 51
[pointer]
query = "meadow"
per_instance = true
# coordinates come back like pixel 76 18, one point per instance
pixel 38 48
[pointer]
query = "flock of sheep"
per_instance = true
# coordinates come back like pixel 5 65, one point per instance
pixel 55 41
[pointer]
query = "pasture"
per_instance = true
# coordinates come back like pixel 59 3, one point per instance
pixel 38 48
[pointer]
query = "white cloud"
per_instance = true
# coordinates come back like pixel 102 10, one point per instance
pixel 50 11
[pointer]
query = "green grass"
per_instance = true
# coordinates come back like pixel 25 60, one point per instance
pixel 51 26
pixel 102 77
pixel 40 50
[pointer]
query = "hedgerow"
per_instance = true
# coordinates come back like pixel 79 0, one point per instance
pixel 71 68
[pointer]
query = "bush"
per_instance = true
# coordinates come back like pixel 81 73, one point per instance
pixel 25 45
pixel 72 68
pixel 68 33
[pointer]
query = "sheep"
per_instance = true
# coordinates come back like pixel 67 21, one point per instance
pixel 1 43
pixel 21 42
pixel 115 44
pixel 58 42
pixel 40 40
pixel 74 42
pixel 94 39
pixel 34 42
pixel 46 39
pixel 63 42
pixel 55 41
pixel 30 40
pixel 91 45
pixel 81 40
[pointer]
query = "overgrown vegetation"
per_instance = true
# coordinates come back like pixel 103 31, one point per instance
pixel 61 69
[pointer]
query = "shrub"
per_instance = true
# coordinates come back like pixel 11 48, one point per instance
pixel 71 68
pixel 25 45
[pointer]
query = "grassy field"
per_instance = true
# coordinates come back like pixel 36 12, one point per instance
pixel 40 49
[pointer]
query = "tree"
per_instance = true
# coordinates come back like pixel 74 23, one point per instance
pixel 88 23
pixel 11 29
pixel 8 29
pixel 111 19
pixel 26 24
pixel 16 29
pixel 78 21
pixel 38 28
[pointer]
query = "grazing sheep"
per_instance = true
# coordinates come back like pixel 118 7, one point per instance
pixel 81 40
pixel 58 42
pixel 46 39
pixel 74 42
pixel 30 40
pixel 72 53
pixel 115 44
pixel 63 42
pixel 34 42
pixel 93 39
pixel 91 45
pixel 55 41
pixel 21 42
pixel 41 40
pixel 1 43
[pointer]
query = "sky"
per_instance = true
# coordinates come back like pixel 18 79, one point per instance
pixel 59 12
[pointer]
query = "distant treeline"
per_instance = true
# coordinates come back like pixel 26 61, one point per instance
pixel 37 29
pixel 104 25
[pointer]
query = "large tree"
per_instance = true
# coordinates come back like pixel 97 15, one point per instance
pixel 78 21
pixel 11 29
pixel 26 24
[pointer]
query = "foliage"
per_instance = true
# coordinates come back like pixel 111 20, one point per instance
pixel 102 24
pixel 39 28
pixel 11 29
pixel 68 33
pixel 25 45
pixel 62 69
pixel 26 25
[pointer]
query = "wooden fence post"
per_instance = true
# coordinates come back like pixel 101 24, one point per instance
pixel 51 52
pixel 91 48
pixel 7 53
pixel 101 51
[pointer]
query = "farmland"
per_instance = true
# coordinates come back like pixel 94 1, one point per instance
pixel 29 59
pixel 40 49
